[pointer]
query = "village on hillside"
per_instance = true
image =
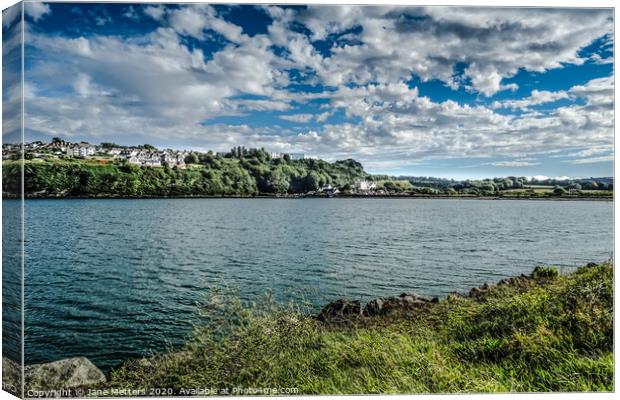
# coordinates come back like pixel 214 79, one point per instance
pixel 144 155
pixel 148 156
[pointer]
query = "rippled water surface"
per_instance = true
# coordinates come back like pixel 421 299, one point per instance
pixel 112 279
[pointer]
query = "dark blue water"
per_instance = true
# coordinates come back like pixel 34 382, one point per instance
pixel 11 280
pixel 112 279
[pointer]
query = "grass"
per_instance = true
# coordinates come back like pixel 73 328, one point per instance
pixel 541 191
pixel 546 332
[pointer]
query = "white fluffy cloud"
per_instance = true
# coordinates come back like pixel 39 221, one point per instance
pixel 537 97
pixel 36 10
pixel 194 20
pixel 514 163
pixel 297 117
pixel 494 42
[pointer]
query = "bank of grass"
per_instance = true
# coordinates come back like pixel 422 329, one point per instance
pixel 546 332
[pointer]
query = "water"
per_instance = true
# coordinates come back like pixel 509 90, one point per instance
pixel 112 279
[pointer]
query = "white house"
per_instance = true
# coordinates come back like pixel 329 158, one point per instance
pixel 80 150
pixel 114 151
pixel 364 185
pixel 275 154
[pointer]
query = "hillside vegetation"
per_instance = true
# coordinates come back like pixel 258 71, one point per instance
pixel 251 172
pixel 213 175
pixel 544 332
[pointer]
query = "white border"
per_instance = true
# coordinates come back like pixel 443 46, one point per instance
pixel 487 3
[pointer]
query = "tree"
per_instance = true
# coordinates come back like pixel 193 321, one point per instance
pixel 590 185
pixel 313 181
pixel 192 158
pixel 558 190
pixel 278 182
pixel 488 187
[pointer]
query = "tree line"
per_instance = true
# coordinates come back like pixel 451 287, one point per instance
pixel 248 174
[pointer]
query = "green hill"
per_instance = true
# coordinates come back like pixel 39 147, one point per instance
pixel 210 176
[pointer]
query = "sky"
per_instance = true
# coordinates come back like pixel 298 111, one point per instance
pixel 425 91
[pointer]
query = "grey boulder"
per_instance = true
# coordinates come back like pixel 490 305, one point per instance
pixel 386 305
pixel 69 373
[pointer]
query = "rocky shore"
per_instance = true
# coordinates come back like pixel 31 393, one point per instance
pixel 73 374
pixel 344 309
pixel 54 379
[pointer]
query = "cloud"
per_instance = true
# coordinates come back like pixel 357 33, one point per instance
pixel 155 12
pixel 439 38
pixel 396 122
pixel 131 13
pixel 598 92
pixel 36 10
pixel 297 117
pixel 589 152
pixel 487 80
pixel 513 163
pixel 159 71
pixel 537 97
pixel 11 14
pixel 195 20
pixel 592 160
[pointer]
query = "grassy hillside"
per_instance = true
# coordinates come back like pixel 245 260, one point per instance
pixel 544 332
pixel 213 176
pixel 254 172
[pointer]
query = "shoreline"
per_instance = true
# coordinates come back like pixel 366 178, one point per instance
pixel 301 196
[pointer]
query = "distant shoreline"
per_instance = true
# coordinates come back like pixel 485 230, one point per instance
pixel 298 197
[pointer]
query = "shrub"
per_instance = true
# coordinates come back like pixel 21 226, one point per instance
pixel 542 272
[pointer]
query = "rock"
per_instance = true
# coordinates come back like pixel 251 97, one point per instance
pixel 69 373
pixel 415 298
pixel 478 292
pixel 387 305
pixel 340 309
pixel 373 307
pixel 11 376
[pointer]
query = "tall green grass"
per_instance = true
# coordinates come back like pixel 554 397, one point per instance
pixel 547 332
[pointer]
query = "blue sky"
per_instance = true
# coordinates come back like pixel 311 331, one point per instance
pixel 441 91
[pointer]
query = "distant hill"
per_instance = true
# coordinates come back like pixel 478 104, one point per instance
pixel 206 174
pixel 57 170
